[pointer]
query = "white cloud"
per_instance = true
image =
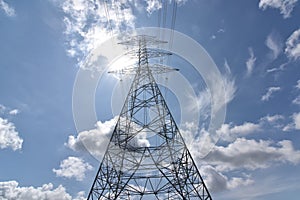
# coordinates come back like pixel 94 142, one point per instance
pixel 252 154
pixel 240 155
pixel 285 6
pixel 229 85
pixel 73 167
pixel 14 112
pixel 295 124
pixel 9 137
pixel 250 62
pixel 11 190
pixel 296 118
pixel 89 23
pixel 293 45
pixel 274 43
pixel 2 108
pixel 298 85
pixel 268 95
pixel 296 100
pixel 203 99
pixel 9 11
pixel 275 69
pixel 96 140
pixel 216 181
pixel 272 118
pixel 229 132
pixel 288 127
pixel 153 5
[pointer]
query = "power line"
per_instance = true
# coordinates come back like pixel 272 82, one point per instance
pixel 173 24
pixel 108 16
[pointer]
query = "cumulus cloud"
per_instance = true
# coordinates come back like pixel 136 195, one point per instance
pixel 9 11
pixel 285 6
pixel 230 132
pixel 250 62
pixel 237 153
pixel 252 154
pixel 96 140
pixel 272 118
pixel 10 190
pixel 217 181
pixel 274 43
pixel 73 167
pixel 292 49
pixel 268 95
pixel 9 137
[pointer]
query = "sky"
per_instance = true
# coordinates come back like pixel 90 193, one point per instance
pixel 45 44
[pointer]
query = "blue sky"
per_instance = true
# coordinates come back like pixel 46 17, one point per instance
pixel 255 45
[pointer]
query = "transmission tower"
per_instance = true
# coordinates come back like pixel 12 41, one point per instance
pixel 146 157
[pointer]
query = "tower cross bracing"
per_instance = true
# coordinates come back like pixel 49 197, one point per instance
pixel 147 157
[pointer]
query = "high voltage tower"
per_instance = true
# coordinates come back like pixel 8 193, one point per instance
pixel 147 157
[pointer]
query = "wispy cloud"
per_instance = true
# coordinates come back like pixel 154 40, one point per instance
pixel 229 83
pixel 14 112
pixel 202 101
pixel 73 167
pixel 296 100
pixel 9 11
pixel 274 43
pixel 2 108
pixel 285 6
pixel 268 95
pixel 295 124
pixel 293 45
pixel 298 85
pixel 250 62
pixel 276 69
pixel 296 118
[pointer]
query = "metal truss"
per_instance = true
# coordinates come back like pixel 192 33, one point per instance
pixel 147 157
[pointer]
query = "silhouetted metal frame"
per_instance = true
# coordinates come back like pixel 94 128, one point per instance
pixel 173 169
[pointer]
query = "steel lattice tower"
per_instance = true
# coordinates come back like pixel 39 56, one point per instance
pixel 146 157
